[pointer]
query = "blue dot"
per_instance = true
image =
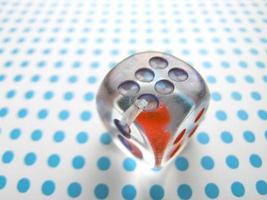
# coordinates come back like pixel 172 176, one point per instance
pixel 53 79
pixel 236 96
pixel 74 189
pixel 3 112
pixel 256 96
pixel 232 161
pixel 59 136
pixel 156 192
pixel 255 160
pixel 42 114
pixel 103 163
pixel 72 79
pixel 184 191
pixel 85 116
pixel 89 96
pixel 203 138
pixel 29 94
pixel 91 79
pixel 101 191
pixel 48 187
pixel 260 64
pixel 261 187
pixel 216 96
pixel 221 115
pixel 78 162
pixel 7 157
pixel 249 79
pixel 225 64
pixel 105 138
pixel 82 137
pixel 128 192
pixel 53 160
pixel 211 79
pixel 10 94
pixel 249 136
pixel 48 95
pixel 2 182
pixel 237 189
pixel 207 162
pixel 2 77
pixel 262 114
pixel 212 190
pixel 22 113
pixel 30 158
pixel 264 78
pixel 23 185
pixel 230 79
pixel 207 64
pixel 68 96
pixel 226 137
pixel 243 64
pixel 181 163
pixel 36 135
pixel 15 134
pixel 63 115
pixel 129 164
pixel 243 115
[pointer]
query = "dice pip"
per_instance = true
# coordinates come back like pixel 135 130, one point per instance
pixel 152 103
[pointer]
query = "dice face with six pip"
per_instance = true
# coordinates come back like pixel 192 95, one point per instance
pixel 152 103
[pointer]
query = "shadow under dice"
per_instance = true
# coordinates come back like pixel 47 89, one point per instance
pixel 152 103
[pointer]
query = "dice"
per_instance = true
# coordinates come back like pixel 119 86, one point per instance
pixel 152 103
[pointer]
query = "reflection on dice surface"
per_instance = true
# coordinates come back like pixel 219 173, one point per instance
pixel 152 103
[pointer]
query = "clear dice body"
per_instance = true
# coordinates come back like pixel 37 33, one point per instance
pixel 152 103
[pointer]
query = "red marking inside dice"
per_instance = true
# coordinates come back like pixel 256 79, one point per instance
pixel 154 124
pixel 180 136
pixel 193 131
pixel 131 147
pixel 175 150
pixel 199 115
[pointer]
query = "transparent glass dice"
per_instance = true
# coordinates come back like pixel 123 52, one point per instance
pixel 152 103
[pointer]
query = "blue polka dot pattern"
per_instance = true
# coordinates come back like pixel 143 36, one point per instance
pixel 255 160
pixel 207 162
pixel 203 138
pixel 59 136
pixel 54 56
pixel 226 137
pixel 7 157
pixel 221 115
pixel 184 191
pixel 48 188
pixel 101 191
pixel 53 160
pixel 181 163
pixel 128 192
pixel 30 158
pixel 3 182
pixel 232 161
pixel 129 164
pixel 212 190
pixel 74 189
pixel 261 187
pixel 78 162
pixel 23 185
pixel 105 138
pixel 238 189
pixel 156 192
pixel 103 163
pixel 249 136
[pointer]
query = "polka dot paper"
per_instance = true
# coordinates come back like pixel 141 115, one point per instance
pixel 53 57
